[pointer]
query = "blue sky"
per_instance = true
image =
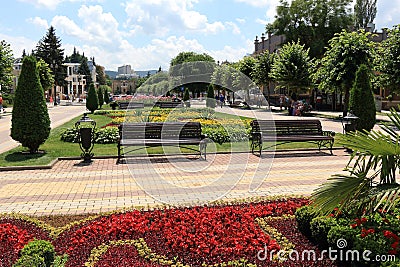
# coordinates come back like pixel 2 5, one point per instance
pixel 147 33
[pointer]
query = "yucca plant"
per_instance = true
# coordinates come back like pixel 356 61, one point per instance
pixel 371 180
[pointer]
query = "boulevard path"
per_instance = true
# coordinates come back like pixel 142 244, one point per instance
pixel 73 187
pixel 58 116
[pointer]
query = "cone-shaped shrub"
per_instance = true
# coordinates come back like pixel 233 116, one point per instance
pixel 210 101
pixel 362 101
pixel 100 96
pixel 30 118
pixel 106 97
pixel 186 96
pixel 92 101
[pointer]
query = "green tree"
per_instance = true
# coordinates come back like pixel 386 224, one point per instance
pixel 45 75
pixel 84 70
pixel 362 100
pixel 312 22
pixel 6 65
pixel 185 57
pixel 387 61
pixel 30 118
pixel 242 78
pixel 105 90
pixel 346 52
pixel 210 101
pixel 187 64
pixel 49 49
pixel 100 96
pixel 292 68
pixel 92 101
pixel 262 71
pixel 76 57
pixel 186 97
pixel 100 75
pixel 364 13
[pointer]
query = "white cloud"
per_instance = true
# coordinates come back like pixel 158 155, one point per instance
pixel 52 4
pixel 97 28
pixel 235 28
pixel 39 22
pixel 69 27
pixel 387 14
pixel 259 3
pixel 232 54
pixel 261 21
pixel 18 44
pixel 160 16
pixel 241 21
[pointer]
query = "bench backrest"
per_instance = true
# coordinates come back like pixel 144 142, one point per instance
pixel 125 105
pixel 287 127
pixel 159 130
pixel 168 104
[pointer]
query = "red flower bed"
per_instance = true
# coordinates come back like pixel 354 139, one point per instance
pixel 193 236
pixel 14 235
pixel 124 256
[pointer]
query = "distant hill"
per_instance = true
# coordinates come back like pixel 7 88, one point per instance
pixel 141 73
pixel 111 73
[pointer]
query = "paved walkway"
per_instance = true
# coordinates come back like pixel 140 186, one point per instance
pixel 58 116
pixel 72 187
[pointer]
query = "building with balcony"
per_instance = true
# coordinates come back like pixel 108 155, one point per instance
pixel 76 82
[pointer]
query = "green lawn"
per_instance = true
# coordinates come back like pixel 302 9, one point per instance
pixel 54 148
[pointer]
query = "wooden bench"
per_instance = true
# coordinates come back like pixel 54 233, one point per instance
pixel 168 104
pixel 131 105
pixel 284 131
pixel 152 134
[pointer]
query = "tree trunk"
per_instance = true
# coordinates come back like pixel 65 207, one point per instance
pixel 346 100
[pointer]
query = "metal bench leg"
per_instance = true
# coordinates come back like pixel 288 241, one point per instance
pixel 119 154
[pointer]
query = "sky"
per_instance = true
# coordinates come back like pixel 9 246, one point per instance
pixel 147 34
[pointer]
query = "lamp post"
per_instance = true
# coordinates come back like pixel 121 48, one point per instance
pixel 85 127
pixel 349 122
pixel 79 84
pixel 54 66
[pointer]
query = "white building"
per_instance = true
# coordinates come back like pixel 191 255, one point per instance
pixel 75 82
pixel 126 72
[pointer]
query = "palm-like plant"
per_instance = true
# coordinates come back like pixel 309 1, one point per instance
pixel 371 182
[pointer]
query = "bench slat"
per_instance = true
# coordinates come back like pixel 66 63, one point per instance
pixel 288 131
pixel 158 134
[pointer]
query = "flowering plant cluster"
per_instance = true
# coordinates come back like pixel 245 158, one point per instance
pixel 218 235
pixel 14 235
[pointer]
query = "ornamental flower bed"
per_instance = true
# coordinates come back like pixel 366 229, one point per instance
pixel 217 129
pixel 220 235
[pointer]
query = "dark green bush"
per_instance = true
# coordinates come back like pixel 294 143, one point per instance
pixel 70 135
pixel 92 101
pixel 30 261
pixel 320 227
pixel 113 105
pixel 304 215
pixel 210 101
pixel 108 135
pixel 341 232
pixel 30 118
pixel 100 96
pixel 41 248
pixel 362 101
pixel 395 263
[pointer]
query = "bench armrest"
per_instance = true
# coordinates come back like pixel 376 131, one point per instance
pixel 256 135
pixel 328 133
